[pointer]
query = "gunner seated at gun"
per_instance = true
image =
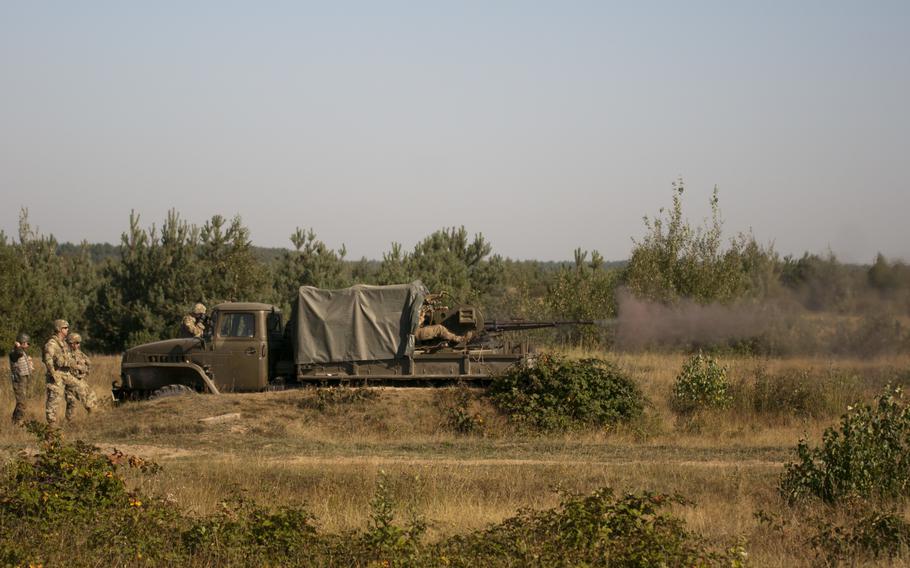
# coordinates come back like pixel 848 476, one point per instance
pixel 193 324
pixel 427 332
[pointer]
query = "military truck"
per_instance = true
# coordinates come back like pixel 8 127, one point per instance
pixel 362 334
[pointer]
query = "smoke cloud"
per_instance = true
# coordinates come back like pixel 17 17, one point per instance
pixel 643 323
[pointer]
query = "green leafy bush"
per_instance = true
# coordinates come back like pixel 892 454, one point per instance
pixel 600 529
pixel 868 456
pixel 702 384
pixel 64 480
pixel 244 532
pixel 555 393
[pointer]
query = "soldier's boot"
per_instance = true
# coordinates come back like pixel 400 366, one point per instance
pixel 18 414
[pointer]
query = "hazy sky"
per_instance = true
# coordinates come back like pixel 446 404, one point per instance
pixel 544 125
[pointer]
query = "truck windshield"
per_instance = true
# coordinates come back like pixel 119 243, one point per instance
pixel 237 325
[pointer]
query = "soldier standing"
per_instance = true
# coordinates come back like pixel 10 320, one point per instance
pixel 76 387
pixel 21 368
pixel 58 360
pixel 193 324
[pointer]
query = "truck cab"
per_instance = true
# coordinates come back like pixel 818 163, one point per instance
pixel 238 353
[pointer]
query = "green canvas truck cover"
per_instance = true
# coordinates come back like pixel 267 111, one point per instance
pixel 360 323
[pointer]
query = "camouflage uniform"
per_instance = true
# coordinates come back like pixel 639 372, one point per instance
pixel 428 332
pixel 58 360
pixel 76 387
pixel 192 325
pixel 21 368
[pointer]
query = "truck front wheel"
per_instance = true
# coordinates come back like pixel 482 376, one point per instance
pixel 171 390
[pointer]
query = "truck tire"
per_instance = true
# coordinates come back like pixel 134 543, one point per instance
pixel 171 390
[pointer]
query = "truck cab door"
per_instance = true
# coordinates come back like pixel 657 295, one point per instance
pixel 240 342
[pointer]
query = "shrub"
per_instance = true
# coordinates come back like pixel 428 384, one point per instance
pixel 702 384
pixel 71 494
pixel 868 456
pixel 600 529
pixel 459 417
pixel 872 534
pixel 554 393
pixel 845 535
pixel 245 533
pixel 64 480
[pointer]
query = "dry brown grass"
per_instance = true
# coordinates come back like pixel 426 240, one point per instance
pixel 287 449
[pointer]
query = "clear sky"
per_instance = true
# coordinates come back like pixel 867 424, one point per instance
pixel 544 125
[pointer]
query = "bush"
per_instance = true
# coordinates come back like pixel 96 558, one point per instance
pixel 595 530
pixel 243 532
pixel 867 457
pixel 65 480
pixel 702 384
pixel 554 393
pixel 845 535
pixel 873 534
pixel 459 415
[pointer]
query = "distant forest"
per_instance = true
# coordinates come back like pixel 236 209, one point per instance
pixel 683 287
pixel 99 253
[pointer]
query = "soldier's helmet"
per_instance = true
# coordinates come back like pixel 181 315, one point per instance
pixel 199 309
pixel 23 338
pixel 60 324
pixel 73 338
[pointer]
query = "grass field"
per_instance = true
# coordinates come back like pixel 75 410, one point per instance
pixel 326 449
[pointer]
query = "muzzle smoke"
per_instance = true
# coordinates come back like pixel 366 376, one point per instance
pixel 643 323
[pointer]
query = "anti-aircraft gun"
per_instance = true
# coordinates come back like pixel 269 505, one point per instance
pixel 469 323
pixel 362 334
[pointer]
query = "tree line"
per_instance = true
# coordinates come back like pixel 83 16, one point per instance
pixel 123 295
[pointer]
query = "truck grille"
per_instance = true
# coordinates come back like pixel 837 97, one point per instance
pixel 166 359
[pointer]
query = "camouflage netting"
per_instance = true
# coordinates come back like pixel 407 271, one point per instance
pixel 360 323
